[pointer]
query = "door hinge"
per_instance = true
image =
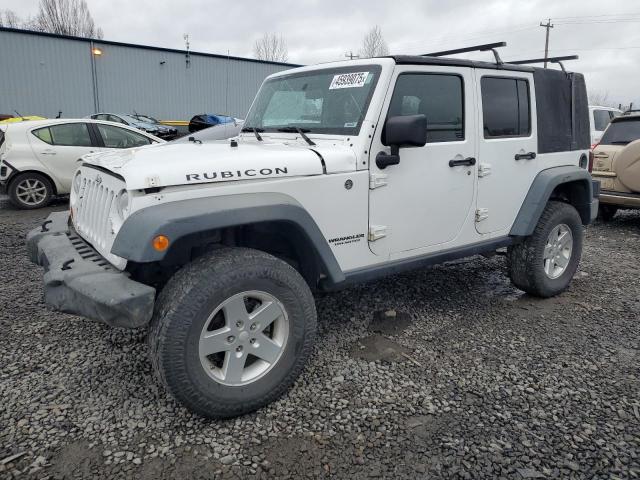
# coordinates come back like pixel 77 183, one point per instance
pixel 376 232
pixel 482 214
pixel 484 169
pixel 377 180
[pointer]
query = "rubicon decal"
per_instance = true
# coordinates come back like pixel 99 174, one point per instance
pixel 347 239
pixel 236 174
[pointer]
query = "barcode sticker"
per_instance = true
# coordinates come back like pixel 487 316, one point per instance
pixel 349 80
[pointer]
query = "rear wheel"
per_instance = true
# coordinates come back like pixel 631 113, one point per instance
pixel 607 212
pixel 232 331
pixel 30 190
pixel 545 262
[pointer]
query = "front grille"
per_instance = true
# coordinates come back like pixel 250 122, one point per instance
pixel 92 212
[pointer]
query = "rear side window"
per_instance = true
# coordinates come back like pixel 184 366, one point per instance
pixel 439 97
pixel 116 137
pixel 506 108
pixel 621 132
pixel 601 119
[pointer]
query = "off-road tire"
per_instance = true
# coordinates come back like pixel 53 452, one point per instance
pixel 32 177
pixel 183 307
pixel 607 212
pixel 525 259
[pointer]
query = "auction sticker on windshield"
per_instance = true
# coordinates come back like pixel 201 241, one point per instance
pixel 349 80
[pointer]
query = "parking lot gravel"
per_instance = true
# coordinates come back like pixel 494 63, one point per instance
pixel 475 380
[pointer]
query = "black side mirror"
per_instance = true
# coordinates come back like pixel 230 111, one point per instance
pixel 399 132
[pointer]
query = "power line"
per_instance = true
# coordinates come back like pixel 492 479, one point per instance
pixel 599 16
pixel 462 40
pixel 590 22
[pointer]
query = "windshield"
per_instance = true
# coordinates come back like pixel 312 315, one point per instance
pixel 333 101
pixel 621 132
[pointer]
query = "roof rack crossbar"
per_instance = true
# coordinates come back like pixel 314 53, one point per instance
pixel 477 48
pixel 557 60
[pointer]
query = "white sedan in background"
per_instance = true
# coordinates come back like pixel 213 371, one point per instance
pixel 38 158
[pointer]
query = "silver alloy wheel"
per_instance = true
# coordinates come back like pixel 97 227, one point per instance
pixel 243 338
pixel 31 191
pixel 557 251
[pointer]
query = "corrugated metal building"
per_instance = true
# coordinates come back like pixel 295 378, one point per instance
pixel 42 74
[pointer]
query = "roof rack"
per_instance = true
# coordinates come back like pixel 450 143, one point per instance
pixel 557 60
pixel 478 48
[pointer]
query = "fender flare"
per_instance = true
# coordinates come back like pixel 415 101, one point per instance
pixel 179 219
pixel 540 192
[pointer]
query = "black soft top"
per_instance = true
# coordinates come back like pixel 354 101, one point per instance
pixel 562 105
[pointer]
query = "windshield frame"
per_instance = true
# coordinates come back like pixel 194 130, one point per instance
pixel 374 68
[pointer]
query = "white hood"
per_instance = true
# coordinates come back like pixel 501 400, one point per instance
pixel 181 164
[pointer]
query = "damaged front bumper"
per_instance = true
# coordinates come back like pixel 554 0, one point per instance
pixel 78 280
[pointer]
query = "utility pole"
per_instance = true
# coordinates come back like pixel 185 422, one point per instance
pixel 350 55
pixel 548 26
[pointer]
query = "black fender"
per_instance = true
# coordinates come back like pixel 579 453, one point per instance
pixel 579 186
pixel 185 217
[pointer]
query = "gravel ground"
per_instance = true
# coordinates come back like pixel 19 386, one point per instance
pixel 472 380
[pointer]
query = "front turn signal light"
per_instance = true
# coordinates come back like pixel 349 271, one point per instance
pixel 160 243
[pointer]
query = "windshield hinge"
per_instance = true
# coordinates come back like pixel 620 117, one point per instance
pixel 376 232
pixel 484 169
pixel 482 214
pixel 377 180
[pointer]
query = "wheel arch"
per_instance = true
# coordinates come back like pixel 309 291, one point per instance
pixel 18 173
pixel 570 184
pixel 271 222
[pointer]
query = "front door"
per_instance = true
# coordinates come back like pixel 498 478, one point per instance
pixel 426 199
pixel 508 147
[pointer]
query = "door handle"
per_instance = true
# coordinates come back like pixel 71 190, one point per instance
pixel 464 161
pixel 47 153
pixel 525 156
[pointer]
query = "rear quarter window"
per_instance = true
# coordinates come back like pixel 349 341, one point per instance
pixel 43 134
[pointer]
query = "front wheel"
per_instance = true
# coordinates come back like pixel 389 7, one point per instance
pixel 232 331
pixel 545 262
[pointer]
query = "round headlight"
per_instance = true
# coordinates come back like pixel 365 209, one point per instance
pixel 77 182
pixel 122 204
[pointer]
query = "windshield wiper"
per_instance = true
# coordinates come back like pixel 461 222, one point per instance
pixel 256 131
pixel 301 131
pixel 620 142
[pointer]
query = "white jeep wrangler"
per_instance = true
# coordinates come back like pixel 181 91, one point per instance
pixel 344 172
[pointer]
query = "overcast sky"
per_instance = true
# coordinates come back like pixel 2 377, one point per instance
pixel 606 35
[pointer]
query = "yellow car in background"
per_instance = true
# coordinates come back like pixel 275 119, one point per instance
pixel 21 119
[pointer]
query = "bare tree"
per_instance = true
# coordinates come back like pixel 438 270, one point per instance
pixel 271 47
pixel 66 17
pixel 600 98
pixel 373 44
pixel 8 18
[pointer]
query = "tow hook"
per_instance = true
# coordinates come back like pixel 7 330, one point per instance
pixel 65 265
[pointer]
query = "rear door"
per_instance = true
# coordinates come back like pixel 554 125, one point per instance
pixel 60 146
pixel 508 147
